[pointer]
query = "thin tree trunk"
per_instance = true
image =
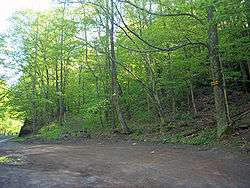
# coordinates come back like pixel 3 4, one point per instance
pixel 220 103
pixel 188 100
pixel 248 65
pixel 111 112
pixel 148 104
pixel 173 106
pixel 192 97
pixel 57 92
pixel 45 85
pixel 79 103
pixel 50 110
pixel 225 92
pixel 34 118
pixel 61 107
pixel 243 75
pixel 155 94
pixel 115 89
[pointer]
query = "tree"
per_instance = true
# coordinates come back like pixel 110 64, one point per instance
pixel 125 61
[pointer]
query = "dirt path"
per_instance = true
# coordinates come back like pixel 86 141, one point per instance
pixel 121 165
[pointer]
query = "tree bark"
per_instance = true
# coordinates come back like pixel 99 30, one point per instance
pixel 57 92
pixel 192 98
pixel 217 76
pixel 115 89
pixel 151 75
pixel 243 70
pixel 61 99
pixel 34 114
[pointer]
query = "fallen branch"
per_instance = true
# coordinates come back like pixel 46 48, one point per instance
pixel 239 117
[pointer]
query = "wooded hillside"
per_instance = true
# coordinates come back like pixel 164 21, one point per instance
pixel 121 64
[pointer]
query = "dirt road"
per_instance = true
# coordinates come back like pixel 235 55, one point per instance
pixel 121 165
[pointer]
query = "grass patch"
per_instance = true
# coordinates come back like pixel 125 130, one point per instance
pixel 5 160
pixel 203 137
pixel 51 132
pixel 74 126
pixel 12 160
pixel 21 139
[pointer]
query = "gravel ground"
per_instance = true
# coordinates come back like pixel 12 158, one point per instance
pixel 94 164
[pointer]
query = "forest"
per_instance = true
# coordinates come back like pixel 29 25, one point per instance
pixel 175 70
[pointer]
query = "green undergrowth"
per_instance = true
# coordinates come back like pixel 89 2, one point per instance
pixel 51 132
pixel 72 127
pixel 202 137
pixel 22 139
pixel 174 132
pixel 10 126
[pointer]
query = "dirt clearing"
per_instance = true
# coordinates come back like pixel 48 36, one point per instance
pixel 121 165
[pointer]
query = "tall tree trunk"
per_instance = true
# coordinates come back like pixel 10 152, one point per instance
pixel 115 89
pixel 217 76
pixel 34 107
pixel 57 113
pixel 79 102
pixel 61 99
pixel 110 113
pixel 45 86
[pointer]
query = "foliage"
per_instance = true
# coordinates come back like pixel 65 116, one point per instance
pixel 205 136
pixel 51 132
pixel 69 68
pixel 9 124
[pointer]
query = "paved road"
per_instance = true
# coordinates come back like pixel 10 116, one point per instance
pixel 122 165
